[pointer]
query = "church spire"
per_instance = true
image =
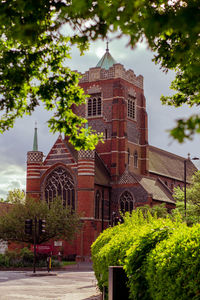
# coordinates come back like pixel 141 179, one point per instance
pixel 35 140
pixel 107 49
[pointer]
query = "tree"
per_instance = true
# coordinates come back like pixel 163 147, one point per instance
pixel 32 47
pixel 193 200
pixel 60 222
pixel 15 196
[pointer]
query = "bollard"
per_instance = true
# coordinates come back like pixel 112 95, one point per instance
pixel 117 289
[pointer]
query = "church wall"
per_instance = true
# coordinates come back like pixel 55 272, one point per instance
pixel 140 196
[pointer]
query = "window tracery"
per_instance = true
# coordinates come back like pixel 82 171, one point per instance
pixel 126 202
pixel 60 183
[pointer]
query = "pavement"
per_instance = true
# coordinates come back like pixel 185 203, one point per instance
pixel 76 282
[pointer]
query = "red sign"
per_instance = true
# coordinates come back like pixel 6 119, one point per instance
pixel 43 248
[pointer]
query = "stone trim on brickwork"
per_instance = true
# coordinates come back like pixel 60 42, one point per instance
pixel 86 154
pixel 34 156
pixel 116 71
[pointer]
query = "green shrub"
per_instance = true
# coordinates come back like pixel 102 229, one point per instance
pixel 4 261
pixel 26 256
pixel 135 263
pixel 110 247
pixel 100 242
pixel 173 270
pixel 161 257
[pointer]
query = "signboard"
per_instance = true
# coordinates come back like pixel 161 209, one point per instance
pixel 3 246
pixel 58 243
pixel 46 249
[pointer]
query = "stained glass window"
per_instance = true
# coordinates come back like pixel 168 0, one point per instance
pixel 60 183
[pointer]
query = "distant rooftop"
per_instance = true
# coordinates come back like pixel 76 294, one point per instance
pixel 106 61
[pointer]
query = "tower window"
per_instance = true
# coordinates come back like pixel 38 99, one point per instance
pixel 94 106
pixel 126 202
pixel 131 107
pixel 135 159
pixel 89 107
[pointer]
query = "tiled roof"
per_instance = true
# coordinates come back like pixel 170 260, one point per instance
pixel 157 189
pixel 168 164
pixel 154 187
pixel 127 178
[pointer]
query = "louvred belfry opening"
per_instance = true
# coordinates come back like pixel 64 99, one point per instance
pixel 60 183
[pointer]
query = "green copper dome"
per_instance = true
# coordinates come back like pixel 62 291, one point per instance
pixel 106 61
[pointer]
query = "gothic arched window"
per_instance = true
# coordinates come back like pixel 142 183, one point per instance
pixel 126 202
pixel 60 183
pixel 97 205
pixel 135 159
pixel 94 106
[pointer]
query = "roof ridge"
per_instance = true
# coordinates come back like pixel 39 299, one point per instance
pixel 167 152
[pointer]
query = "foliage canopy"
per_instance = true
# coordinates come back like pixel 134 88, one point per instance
pixel 60 221
pixel 33 48
pixel 192 198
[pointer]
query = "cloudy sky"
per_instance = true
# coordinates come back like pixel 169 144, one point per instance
pixel 15 143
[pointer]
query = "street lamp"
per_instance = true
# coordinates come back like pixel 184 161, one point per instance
pixel 185 178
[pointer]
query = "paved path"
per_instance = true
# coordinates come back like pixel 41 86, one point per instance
pixel 75 284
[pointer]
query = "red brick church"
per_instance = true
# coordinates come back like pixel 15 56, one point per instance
pixel 122 173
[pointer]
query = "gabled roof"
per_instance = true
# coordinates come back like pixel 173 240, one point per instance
pixel 157 189
pixel 107 61
pixel 154 187
pixel 168 164
pixel 127 177
pixel 60 152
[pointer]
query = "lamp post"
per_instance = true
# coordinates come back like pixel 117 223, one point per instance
pixel 185 179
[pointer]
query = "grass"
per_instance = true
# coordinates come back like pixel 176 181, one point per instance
pixel 67 263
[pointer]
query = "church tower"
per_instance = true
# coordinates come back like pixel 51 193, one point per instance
pixel 117 107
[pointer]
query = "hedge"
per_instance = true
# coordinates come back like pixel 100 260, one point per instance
pixel 161 257
pixel 174 266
